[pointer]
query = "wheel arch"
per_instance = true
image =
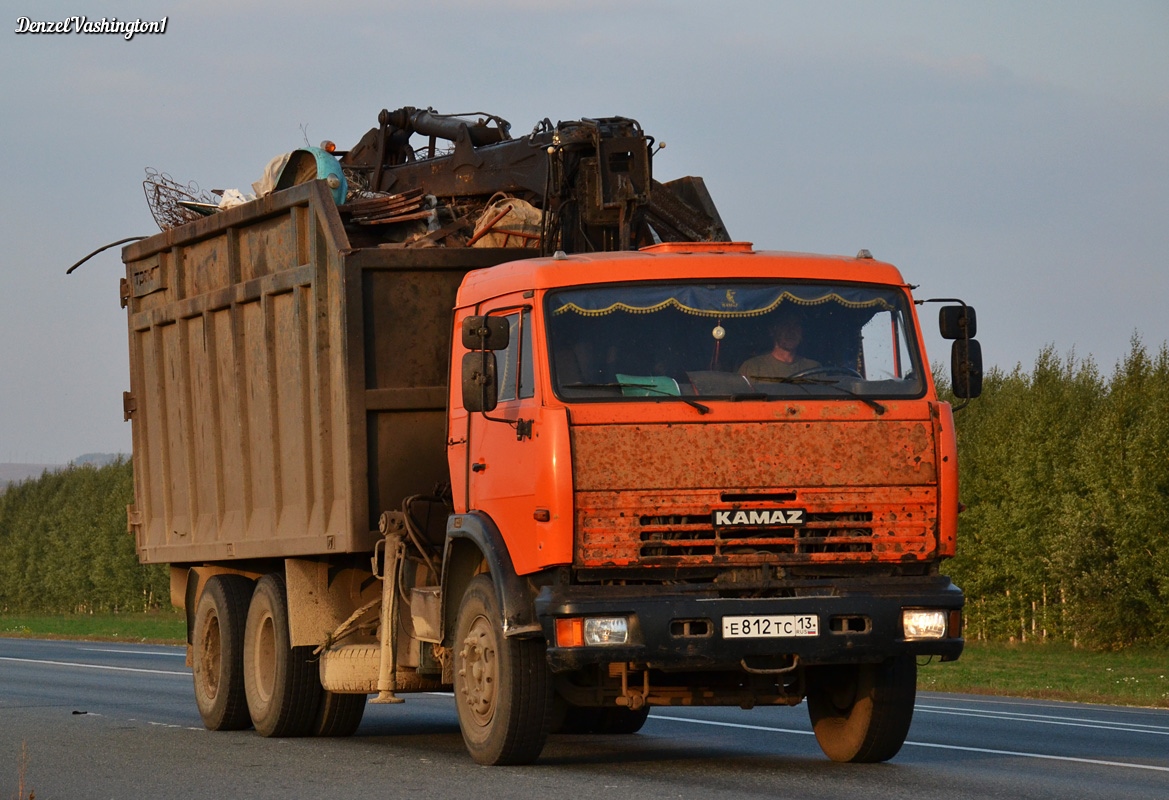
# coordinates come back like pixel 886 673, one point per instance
pixel 472 541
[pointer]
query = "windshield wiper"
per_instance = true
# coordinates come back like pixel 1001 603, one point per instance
pixel 804 382
pixel 648 387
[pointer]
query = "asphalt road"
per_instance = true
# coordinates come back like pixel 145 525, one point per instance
pixel 104 720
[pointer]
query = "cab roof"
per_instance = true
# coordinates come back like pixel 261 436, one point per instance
pixel 671 261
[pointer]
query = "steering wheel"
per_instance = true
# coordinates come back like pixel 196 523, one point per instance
pixel 804 373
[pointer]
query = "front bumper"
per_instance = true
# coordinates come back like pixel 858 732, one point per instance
pixel 678 630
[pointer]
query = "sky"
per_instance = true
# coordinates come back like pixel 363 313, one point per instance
pixel 1014 154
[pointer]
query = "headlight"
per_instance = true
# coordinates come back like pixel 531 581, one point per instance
pixel 580 631
pixel 920 623
pixel 606 630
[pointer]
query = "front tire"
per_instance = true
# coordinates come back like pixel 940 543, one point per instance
pixel 861 712
pixel 622 721
pixel 280 681
pixel 217 652
pixel 503 689
pixel 608 721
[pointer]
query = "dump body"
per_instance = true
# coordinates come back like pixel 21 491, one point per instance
pixel 285 388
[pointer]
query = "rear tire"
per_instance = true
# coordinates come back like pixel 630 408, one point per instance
pixel 503 689
pixel 217 652
pixel 862 712
pixel 339 714
pixel 281 682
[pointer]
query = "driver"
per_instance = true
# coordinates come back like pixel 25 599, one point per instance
pixel 783 360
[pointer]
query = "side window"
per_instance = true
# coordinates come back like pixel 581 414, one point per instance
pixel 514 370
pixel 886 353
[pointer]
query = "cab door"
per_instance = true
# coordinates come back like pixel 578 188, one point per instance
pixel 506 459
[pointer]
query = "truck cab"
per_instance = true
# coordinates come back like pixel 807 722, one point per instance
pixel 695 524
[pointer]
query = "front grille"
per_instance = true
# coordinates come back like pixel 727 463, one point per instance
pixel 696 536
pixel 679 530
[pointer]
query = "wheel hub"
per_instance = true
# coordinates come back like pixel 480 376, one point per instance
pixel 210 658
pixel 479 671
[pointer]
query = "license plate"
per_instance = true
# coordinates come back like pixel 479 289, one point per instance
pixel 769 627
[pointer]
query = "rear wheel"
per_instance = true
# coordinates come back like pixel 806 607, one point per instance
pixel 503 689
pixel 281 682
pixel 862 712
pixel 339 714
pixel 217 652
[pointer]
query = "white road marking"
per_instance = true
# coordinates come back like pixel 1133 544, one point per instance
pixel 1044 756
pixel 984 750
pixel 185 674
pixel 131 652
pixel 1045 719
pixel 990 700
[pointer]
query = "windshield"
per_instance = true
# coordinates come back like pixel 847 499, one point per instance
pixel 732 340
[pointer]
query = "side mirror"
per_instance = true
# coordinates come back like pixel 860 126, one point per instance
pixel 486 333
pixel 958 322
pixel 966 368
pixel 480 390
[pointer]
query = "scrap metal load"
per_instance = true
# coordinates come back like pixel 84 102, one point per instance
pixel 579 186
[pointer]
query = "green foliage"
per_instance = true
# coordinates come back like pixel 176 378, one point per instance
pixel 64 546
pixel 166 625
pixel 1066 483
pixel 1136 676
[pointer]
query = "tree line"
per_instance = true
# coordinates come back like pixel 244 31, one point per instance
pixel 64 546
pixel 1064 475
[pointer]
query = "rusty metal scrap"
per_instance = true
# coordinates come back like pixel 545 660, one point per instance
pixel 390 208
pixel 590 180
pixel 581 185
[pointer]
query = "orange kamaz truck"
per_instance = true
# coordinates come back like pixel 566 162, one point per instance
pixel 509 417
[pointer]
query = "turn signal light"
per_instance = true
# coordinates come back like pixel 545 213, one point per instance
pixel 570 632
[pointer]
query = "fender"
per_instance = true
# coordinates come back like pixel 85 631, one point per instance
pixel 471 539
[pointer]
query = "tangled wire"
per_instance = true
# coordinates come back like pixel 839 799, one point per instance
pixel 164 195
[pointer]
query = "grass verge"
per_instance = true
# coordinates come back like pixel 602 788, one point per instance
pixel 161 627
pixel 1132 677
pixel 1135 677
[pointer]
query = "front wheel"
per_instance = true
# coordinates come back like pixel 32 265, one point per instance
pixel 862 712
pixel 613 720
pixel 503 689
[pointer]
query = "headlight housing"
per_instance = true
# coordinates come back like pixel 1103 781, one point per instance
pixel 923 623
pixel 591 631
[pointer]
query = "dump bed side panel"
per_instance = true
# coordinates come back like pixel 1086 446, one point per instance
pixel 285 389
pixel 238 367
